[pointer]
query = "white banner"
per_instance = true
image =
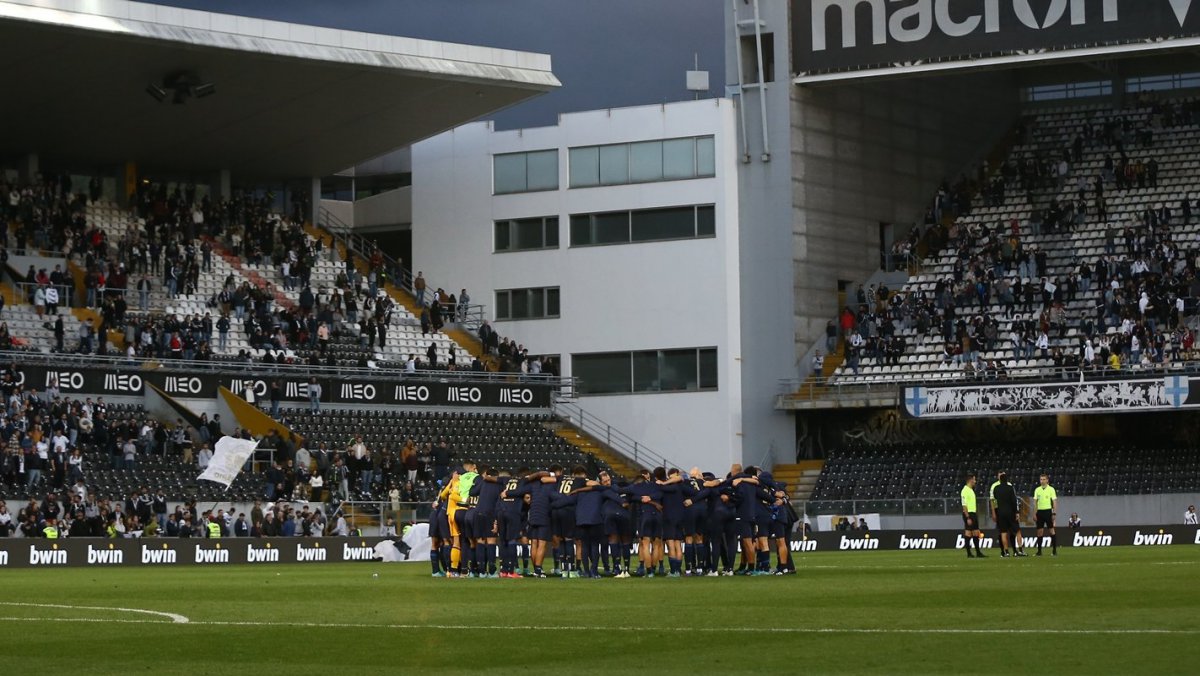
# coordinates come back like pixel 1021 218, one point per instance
pixel 229 455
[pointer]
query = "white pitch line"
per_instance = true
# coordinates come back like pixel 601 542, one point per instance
pixel 175 618
pixel 723 630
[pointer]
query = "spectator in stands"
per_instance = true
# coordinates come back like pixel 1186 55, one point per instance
pixel 1190 518
pixel 1074 522
pixel 419 288
pixel 818 364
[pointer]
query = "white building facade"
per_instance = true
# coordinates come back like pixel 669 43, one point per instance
pixel 611 241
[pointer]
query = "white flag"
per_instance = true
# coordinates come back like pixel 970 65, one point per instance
pixel 229 455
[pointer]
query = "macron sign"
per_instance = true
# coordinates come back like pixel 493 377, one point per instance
pixel 850 35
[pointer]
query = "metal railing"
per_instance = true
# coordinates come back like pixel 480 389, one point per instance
pixel 237 368
pixel 888 507
pixel 26 292
pixel 608 435
pixel 817 388
pixel 365 248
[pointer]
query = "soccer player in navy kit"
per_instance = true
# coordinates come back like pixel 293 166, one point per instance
pixel 539 486
pixel 695 517
pixel 562 520
pixel 754 518
pixel 649 494
pixel 673 515
pixel 486 493
pixel 508 524
pixel 783 518
pixel 439 534
pixel 618 526
pixel 587 501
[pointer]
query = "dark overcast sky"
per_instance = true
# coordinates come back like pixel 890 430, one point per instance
pixel 607 53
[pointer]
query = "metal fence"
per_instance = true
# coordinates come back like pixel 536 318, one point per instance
pixel 608 435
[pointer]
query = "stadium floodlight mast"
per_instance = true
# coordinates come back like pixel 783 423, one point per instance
pixel 181 86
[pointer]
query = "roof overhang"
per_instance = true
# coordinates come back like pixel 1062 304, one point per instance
pixel 291 100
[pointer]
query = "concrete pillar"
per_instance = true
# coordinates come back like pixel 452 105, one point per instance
pixel 127 182
pixel 314 210
pixel 29 167
pixel 223 185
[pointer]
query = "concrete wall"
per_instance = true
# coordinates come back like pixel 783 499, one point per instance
pixel 869 153
pixel 393 207
pixel 638 296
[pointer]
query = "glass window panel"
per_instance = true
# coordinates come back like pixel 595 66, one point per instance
pixel 645 372
pixel 585 167
pixel 708 368
pixel 581 230
pixel 552 302
pixel 502 307
pixel 537 303
pixel 614 164
pixel 611 227
pixel 674 223
pixel 520 303
pixel 543 170
pixel 706 221
pixel 645 161
pixel 677 370
pixel 706 156
pixel 502 241
pixel 529 233
pixel 679 158
pixel 552 231
pixel 602 373
pixel 509 173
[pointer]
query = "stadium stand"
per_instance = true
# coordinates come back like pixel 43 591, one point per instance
pixel 177 262
pixel 1079 249
pixel 928 474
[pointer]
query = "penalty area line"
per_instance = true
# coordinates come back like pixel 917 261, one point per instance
pixel 467 627
pixel 174 617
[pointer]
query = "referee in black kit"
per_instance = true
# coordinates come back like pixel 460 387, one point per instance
pixel 1005 513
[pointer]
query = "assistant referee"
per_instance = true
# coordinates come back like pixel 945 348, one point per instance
pixel 971 519
pixel 1047 510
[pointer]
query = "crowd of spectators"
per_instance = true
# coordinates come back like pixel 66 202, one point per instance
pixel 1140 292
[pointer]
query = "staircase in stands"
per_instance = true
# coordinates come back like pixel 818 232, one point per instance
pixel 800 477
pixel 586 443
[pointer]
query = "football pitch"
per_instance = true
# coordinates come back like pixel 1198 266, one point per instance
pixel 1122 610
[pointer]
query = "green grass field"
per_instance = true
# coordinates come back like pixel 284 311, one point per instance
pixel 1120 610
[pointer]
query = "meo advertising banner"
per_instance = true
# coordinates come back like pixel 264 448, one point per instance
pixel 854 35
pixel 93 382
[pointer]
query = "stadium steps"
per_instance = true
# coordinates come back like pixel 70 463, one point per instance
pixel 801 477
pixel 116 338
pixel 587 444
pixel 250 275
pixel 464 339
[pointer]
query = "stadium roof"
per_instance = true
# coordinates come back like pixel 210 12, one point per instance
pixel 291 100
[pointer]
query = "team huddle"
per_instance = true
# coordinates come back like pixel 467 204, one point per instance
pixel 486 523
pixel 1006 515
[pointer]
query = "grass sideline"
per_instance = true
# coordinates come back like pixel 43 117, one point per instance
pixel 1087 611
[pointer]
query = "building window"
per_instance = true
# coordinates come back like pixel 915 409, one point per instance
pixel 1071 90
pixel 679 370
pixel 525 172
pixel 643 225
pixel 644 162
pixel 527 234
pixel 1162 82
pixel 537 303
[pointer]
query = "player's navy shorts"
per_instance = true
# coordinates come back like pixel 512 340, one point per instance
pixel 618 524
pixel 780 529
pixel 672 530
pixel 539 532
pixel 1045 518
pixel 694 522
pixel 651 525
pixel 591 532
pixel 970 521
pixel 508 527
pixel 462 519
pixel 484 525
pixel 440 524
pixel 762 524
pixel 563 523
pixel 1006 523
pixel 744 529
